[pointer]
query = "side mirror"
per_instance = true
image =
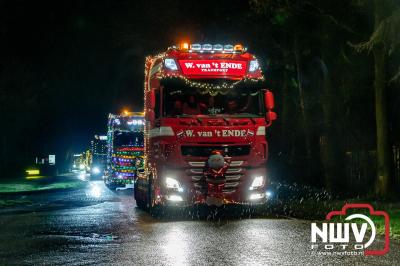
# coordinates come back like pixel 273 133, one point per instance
pixel 152 99
pixel 269 100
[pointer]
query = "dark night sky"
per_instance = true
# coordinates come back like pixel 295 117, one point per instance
pixel 79 60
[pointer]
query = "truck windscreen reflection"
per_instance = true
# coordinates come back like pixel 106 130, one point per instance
pixel 198 101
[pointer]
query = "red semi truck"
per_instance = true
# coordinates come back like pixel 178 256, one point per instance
pixel 206 110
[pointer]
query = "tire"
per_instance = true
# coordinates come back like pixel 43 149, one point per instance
pixel 139 202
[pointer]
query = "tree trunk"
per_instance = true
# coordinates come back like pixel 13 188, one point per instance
pixel 285 116
pixel 331 147
pixel 327 150
pixel 301 99
pixel 383 151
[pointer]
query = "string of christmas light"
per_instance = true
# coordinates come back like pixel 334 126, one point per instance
pixel 121 160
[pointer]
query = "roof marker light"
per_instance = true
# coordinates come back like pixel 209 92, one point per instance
pixel 238 48
pixel 195 47
pixel 218 47
pixel 207 47
pixel 228 48
pixel 184 46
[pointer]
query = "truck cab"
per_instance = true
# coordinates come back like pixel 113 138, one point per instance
pixel 206 112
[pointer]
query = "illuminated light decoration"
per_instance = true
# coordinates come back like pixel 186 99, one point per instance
pixel 32 172
pixel 209 88
pixel 209 48
pixel 184 46
pixel 130 149
pixel 174 198
pixel 195 47
pixel 213 67
pixel 238 48
pixel 257 196
pixel 121 160
pixel 206 47
pixel 253 65
pixel 258 181
pixel 218 47
pixel 170 64
pixel 228 48
pixel 136 122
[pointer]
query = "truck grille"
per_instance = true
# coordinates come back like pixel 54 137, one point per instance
pixel 232 177
pixel 205 151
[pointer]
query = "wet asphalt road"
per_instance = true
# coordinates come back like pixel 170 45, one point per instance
pixel 96 226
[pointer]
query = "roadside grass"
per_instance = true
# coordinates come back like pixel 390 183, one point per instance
pixel 12 203
pixel 40 183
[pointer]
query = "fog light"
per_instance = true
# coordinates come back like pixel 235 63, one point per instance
pixel 256 196
pixel 174 198
pixel 269 194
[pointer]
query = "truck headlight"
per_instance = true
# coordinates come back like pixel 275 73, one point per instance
pixel 258 181
pixel 96 170
pixel 173 183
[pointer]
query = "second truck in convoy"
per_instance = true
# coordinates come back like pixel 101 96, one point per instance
pixel 124 149
pixel 206 112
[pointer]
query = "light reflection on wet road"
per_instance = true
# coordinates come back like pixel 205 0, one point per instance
pixel 96 226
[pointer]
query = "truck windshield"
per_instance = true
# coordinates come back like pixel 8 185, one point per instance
pixel 202 101
pixel 128 139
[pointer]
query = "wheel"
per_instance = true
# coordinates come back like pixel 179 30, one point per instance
pixel 139 202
